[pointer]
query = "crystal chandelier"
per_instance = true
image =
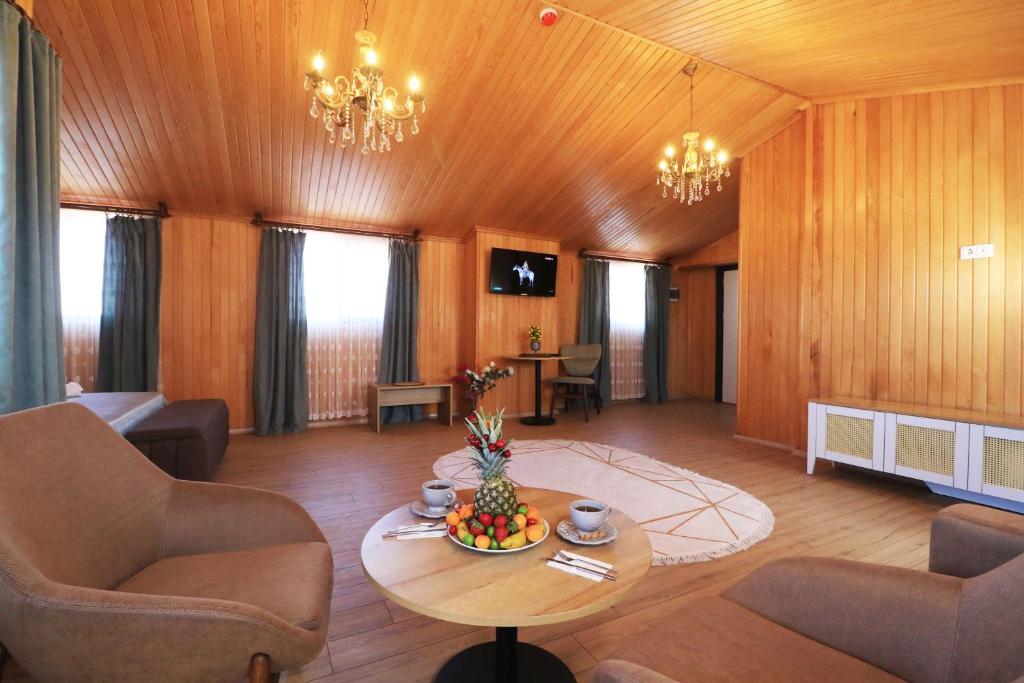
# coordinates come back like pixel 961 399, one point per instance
pixel 700 166
pixel 380 108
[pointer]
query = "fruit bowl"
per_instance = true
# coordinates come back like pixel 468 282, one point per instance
pixel 503 551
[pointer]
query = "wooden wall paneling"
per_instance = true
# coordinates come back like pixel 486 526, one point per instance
pixel 721 252
pixel 441 290
pixel 771 219
pixel 693 337
pixel 567 289
pixel 208 308
pixel 502 322
pixel 896 186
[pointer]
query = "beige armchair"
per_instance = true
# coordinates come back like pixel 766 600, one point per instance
pixel 111 570
pixel 811 619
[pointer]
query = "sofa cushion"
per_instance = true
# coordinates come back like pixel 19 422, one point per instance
pixel 713 639
pixel 290 581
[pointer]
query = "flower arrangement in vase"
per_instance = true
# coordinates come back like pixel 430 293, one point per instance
pixel 535 337
pixel 479 383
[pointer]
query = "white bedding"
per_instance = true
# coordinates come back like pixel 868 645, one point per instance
pixel 122 410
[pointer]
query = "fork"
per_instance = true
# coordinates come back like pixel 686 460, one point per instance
pixel 597 567
pixel 604 575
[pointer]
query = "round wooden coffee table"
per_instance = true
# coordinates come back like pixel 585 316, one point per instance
pixel 439 579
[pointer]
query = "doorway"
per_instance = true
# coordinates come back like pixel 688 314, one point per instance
pixel 727 354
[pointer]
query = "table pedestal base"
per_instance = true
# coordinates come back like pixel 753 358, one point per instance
pixel 505 661
pixel 536 421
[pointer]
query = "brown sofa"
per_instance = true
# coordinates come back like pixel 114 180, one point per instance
pixel 186 439
pixel 814 619
pixel 111 570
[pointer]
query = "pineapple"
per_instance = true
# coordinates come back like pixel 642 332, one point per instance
pixel 496 494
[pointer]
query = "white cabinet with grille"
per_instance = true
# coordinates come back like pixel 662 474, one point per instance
pixel 997 462
pixel 965 457
pixel 926 449
pixel 848 435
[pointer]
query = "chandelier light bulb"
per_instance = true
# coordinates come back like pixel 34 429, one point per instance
pixel 670 151
pixel 709 144
pixel 414 83
pixel 328 90
pixel 723 156
pixel 389 105
pixel 318 63
pixel 371 57
pixel 662 165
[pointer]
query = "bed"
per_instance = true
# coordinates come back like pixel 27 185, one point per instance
pixel 122 410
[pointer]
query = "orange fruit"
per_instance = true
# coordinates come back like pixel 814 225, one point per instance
pixel 520 520
pixel 482 541
pixel 452 518
pixel 534 533
pixel 533 512
pixel 466 512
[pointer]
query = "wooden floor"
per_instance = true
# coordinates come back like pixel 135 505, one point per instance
pixel 347 477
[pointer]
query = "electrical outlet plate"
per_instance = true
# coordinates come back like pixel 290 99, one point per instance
pixel 976 251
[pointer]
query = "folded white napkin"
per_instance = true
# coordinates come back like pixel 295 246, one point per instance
pixel 588 563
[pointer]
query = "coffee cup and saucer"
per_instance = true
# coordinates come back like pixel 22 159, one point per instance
pixel 588 523
pixel 438 499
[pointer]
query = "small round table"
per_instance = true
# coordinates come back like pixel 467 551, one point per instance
pixel 538 419
pixel 444 581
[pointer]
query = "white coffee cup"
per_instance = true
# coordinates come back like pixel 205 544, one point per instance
pixel 438 493
pixel 588 515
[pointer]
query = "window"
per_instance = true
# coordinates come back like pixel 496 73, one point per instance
pixel 627 285
pixel 345 279
pixel 82 244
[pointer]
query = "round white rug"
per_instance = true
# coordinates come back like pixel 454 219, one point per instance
pixel 688 517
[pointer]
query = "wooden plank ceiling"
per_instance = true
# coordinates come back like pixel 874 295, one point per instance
pixel 834 48
pixel 199 103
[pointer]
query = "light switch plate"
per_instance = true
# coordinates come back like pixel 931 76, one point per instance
pixel 977 251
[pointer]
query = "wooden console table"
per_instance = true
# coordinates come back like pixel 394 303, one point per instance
pixel 384 395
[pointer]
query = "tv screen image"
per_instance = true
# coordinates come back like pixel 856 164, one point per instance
pixel 523 273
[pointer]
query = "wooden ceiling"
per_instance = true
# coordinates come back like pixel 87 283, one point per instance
pixel 199 103
pixel 832 48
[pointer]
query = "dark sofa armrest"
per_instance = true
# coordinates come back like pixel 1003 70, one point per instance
pixel 210 518
pixel 969 540
pixel 900 620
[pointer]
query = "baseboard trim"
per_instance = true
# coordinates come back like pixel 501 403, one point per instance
pixel 770 444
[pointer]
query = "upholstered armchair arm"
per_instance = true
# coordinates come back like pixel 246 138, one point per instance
pixel 968 540
pixel 70 633
pixel 210 518
pixel 900 620
pixel 621 671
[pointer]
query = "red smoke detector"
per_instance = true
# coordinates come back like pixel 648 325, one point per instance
pixel 548 16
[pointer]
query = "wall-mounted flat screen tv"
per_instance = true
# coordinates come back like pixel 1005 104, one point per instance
pixel 523 273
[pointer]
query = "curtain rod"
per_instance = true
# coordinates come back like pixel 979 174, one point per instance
pixel 631 259
pixel 159 212
pixel 258 219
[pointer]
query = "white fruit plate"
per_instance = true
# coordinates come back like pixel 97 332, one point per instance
pixel 547 530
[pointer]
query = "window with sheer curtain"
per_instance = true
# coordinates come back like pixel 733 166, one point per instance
pixel 82 240
pixel 345 279
pixel 627 296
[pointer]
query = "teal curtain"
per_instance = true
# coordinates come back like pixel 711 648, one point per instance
pixel 129 348
pixel 659 279
pixel 595 320
pixel 280 385
pixel 401 315
pixel 31 333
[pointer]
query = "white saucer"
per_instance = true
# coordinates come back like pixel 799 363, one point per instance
pixel 420 509
pixel 569 532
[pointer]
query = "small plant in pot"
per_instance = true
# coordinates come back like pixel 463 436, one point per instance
pixel 535 337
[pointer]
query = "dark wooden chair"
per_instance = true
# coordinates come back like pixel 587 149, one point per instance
pixel 579 383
